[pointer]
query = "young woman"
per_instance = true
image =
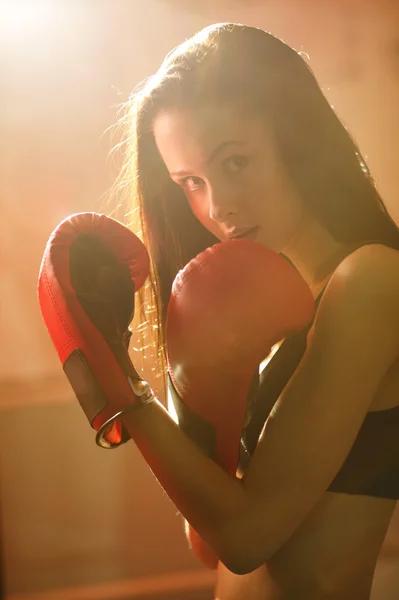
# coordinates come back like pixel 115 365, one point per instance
pixel 233 137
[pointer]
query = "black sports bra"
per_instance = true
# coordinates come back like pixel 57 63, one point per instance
pixel 371 467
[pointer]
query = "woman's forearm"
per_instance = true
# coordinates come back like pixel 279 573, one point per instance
pixel 209 498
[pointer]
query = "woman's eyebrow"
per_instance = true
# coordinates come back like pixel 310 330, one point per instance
pixel 212 156
pixel 220 147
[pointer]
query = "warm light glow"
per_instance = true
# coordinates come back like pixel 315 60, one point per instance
pixel 171 407
pixel 265 362
pixel 18 19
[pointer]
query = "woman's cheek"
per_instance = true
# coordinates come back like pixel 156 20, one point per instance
pixel 201 212
pixel 197 207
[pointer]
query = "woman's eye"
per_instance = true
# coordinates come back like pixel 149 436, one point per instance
pixel 191 183
pixel 235 163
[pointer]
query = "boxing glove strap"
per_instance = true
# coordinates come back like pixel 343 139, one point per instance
pixel 143 394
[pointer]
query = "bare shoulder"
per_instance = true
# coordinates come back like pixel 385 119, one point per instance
pixel 373 262
pixel 373 254
pixel 369 275
pixel 361 302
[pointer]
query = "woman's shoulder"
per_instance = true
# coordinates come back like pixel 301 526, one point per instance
pixel 373 253
pixel 368 278
pixel 372 268
pixel 363 292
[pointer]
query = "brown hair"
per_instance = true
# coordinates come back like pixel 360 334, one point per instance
pixel 251 70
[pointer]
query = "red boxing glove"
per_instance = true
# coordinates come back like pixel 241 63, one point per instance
pixel 91 268
pixel 227 309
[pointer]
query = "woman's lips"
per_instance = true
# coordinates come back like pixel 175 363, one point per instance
pixel 250 234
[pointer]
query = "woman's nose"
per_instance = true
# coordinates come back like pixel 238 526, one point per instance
pixel 222 204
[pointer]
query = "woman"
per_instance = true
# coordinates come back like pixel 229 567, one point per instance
pixel 233 137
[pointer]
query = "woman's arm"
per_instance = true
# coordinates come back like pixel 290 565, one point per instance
pixel 309 433
pixel 205 495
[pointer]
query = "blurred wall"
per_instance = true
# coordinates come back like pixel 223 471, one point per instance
pixel 73 514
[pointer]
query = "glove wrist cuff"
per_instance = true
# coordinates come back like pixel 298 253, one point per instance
pixel 143 395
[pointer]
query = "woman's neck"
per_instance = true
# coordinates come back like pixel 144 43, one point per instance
pixel 316 254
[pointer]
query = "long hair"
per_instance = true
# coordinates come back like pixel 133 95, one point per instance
pixel 246 68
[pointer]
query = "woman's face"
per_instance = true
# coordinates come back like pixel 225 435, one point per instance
pixel 231 174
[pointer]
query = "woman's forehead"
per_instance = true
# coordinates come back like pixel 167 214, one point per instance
pixel 202 128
